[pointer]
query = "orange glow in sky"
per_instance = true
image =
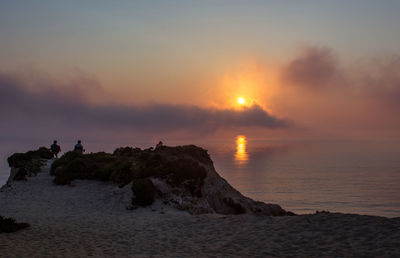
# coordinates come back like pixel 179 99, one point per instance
pixel 245 84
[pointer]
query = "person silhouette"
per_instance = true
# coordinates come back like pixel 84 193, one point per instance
pixel 55 149
pixel 159 144
pixel 78 147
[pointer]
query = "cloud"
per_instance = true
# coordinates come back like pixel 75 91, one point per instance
pixel 49 109
pixel 380 80
pixel 318 68
pixel 314 68
pixel 349 99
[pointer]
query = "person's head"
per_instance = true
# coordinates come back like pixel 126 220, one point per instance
pixel 160 142
pixel 55 142
pixel 79 141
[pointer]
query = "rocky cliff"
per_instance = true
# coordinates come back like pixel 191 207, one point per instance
pixel 183 177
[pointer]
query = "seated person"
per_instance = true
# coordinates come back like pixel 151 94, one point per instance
pixel 159 144
pixel 78 147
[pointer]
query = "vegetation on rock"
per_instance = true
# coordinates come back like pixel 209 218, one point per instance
pixel 183 177
pixel 144 191
pixel 176 171
pixel 94 166
pixel 8 225
pixel 175 165
pixel 28 163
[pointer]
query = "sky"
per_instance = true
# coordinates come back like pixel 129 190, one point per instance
pixel 126 69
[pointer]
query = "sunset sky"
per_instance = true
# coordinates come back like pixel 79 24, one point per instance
pixel 305 69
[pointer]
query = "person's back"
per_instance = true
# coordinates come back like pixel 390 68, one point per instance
pixel 55 149
pixel 79 147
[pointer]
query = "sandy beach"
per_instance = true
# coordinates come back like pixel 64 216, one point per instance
pixel 90 218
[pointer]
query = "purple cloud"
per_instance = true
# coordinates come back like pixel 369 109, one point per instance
pixel 314 68
pixel 52 110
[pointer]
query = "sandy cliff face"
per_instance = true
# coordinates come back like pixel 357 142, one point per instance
pixel 223 198
pixel 217 195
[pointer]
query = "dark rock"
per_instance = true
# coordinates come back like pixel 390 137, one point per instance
pixel 8 225
pixel 144 192
pixel 27 164
pixel 236 207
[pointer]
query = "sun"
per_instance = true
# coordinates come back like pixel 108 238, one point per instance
pixel 241 101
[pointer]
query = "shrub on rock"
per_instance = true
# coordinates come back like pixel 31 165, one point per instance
pixel 177 172
pixel 94 166
pixel 41 153
pixel 28 163
pixel 76 169
pixel 8 225
pixel 144 191
pixel 121 172
pixel 74 165
pixel 190 151
pixel 64 160
pixel 18 160
pixel 21 159
pixel 172 164
pixel 127 151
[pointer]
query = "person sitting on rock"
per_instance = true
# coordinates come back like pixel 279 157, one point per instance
pixel 55 149
pixel 78 147
pixel 159 144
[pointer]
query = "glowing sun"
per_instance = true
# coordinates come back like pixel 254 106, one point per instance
pixel 241 101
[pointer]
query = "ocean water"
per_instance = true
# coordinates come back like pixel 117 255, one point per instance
pixel 302 176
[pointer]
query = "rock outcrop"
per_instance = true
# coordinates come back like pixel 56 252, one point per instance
pixel 183 177
pixel 27 164
pixel 9 225
pixel 215 193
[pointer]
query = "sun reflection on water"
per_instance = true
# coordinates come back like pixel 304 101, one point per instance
pixel 241 155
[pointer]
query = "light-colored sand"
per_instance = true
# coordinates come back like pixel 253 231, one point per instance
pixel 90 219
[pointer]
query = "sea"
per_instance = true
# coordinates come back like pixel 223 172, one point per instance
pixel 360 177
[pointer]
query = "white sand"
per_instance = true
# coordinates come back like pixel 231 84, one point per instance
pixel 90 219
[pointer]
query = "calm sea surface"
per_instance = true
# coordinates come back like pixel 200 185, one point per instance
pixel 344 176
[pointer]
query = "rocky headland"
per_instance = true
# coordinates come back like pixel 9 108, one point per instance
pixel 182 177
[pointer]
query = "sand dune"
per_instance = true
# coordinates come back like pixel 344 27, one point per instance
pixel 90 219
